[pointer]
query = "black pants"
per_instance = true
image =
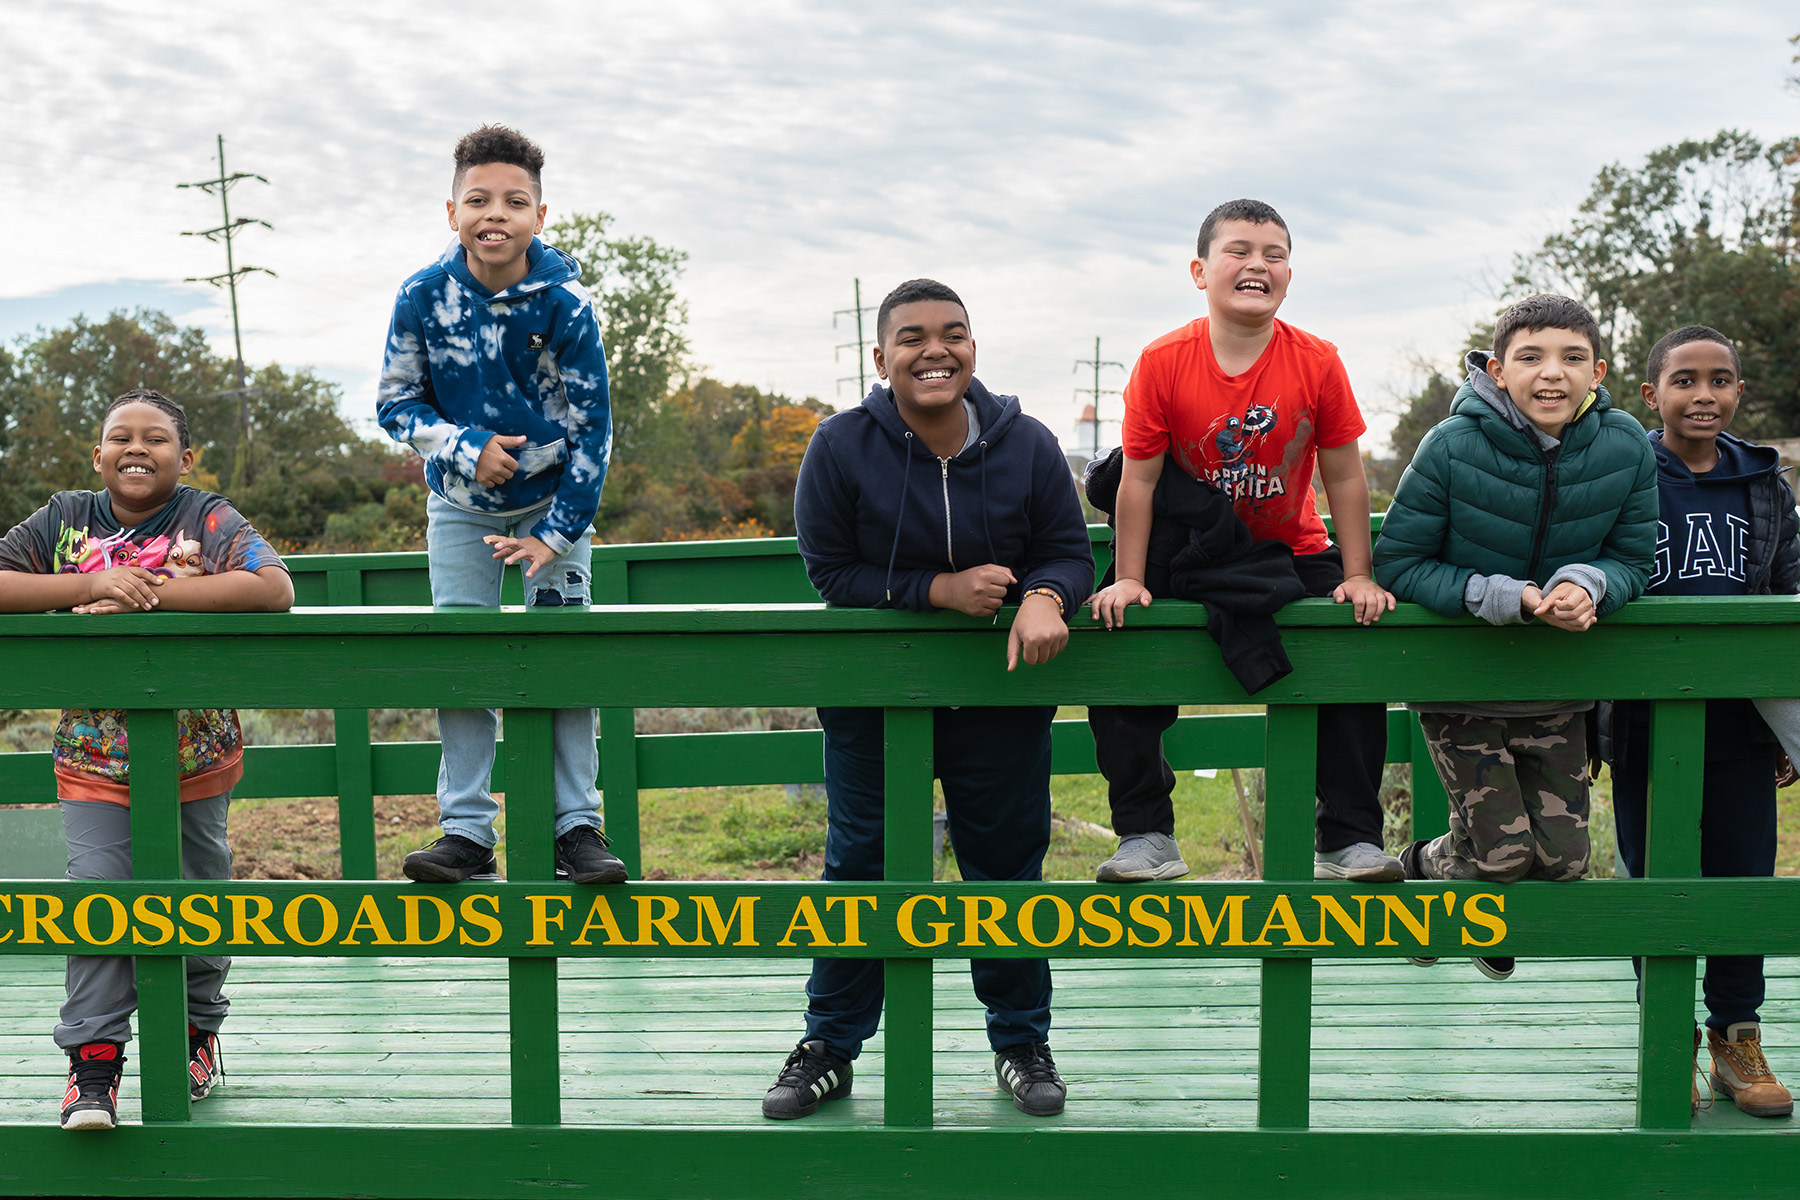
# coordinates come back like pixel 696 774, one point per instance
pixel 995 767
pixel 1737 839
pixel 1352 750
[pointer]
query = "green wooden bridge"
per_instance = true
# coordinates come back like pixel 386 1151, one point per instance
pixel 528 1038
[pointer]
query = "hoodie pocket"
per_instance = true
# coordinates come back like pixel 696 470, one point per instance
pixel 535 459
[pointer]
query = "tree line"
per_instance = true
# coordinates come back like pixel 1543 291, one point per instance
pixel 1699 232
pixel 693 457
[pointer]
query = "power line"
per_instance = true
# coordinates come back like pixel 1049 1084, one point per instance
pixel 862 359
pixel 242 472
pixel 1096 391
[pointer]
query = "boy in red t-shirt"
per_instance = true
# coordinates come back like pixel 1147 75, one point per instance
pixel 1247 403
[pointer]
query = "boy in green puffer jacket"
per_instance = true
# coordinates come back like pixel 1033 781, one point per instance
pixel 1535 499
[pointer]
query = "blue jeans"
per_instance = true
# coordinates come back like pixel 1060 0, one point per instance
pixel 464 572
pixel 995 767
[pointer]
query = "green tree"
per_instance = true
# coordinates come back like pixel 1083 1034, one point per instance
pixel 55 388
pixel 1701 232
pixel 643 322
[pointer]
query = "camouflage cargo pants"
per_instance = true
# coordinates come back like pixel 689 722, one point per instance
pixel 1518 796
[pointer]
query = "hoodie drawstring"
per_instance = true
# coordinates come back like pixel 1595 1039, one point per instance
pixel 900 515
pixel 992 557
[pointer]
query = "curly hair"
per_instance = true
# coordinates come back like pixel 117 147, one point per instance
pixel 498 144
pixel 154 400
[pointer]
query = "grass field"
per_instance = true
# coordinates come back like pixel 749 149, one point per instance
pixel 769 832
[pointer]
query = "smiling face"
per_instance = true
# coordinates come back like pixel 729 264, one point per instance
pixel 1548 373
pixel 495 215
pixel 1696 397
pixel 1245 272
pixel 927 355
pixel 140 460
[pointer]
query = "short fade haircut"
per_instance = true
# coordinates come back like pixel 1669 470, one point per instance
pixel 911 292
pixel 173 410
pixel 1659 353
pixel 1545 312
pixel 498 144
pixel 1254 211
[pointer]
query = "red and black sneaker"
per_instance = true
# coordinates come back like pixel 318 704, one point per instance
pixel 206 1070
pixel 92 1101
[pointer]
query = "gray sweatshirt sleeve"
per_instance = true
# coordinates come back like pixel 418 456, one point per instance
pixel 1495 598
pixel 1590 579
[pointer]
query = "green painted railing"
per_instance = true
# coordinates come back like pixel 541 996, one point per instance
pixel 623 658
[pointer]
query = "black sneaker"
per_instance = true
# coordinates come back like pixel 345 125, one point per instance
pixel 92 1100
pixel 582 856
pixel 450 859
pixel 1412 864
pixel 1029 1073
pixel 206 1070
pixel 808 1078
pixel 1495 968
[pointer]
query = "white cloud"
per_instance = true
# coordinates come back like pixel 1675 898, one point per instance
pixel 1049 160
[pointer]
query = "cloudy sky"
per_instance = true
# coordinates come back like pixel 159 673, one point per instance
pixel 1050 160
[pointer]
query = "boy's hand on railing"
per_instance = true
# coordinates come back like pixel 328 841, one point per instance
pixel 1368 598
pixel 1110 602
pixel 978 591
pixel 496 466
pixel 535 553
pixel 1566 606
pixel 1038 632
pixel 130 588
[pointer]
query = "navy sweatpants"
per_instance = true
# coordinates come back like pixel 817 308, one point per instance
pixel 1737 840
pixel 995 768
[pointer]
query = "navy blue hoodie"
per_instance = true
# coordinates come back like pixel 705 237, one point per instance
pixel 1729 532
pixel 879 515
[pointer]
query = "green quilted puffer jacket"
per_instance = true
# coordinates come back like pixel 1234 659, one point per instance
pixel 1484 497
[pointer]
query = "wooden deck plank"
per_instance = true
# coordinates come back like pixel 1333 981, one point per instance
pixel 1151 1045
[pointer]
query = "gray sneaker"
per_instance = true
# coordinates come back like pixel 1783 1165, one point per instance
pixel 1143 858
pixel 1363 862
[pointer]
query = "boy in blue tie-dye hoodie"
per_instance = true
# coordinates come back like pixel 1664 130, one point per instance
pixel 495 374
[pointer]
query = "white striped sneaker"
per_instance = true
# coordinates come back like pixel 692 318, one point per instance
pixel 808 1078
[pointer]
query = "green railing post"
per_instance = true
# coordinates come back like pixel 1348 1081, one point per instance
pixel 352 755
pixel 156 854
pixel 1430 802
pixel 1284 1053
pixel 1672 850
pixel 619 786
pixel 531 857
pixel 355 766
pixel 906 746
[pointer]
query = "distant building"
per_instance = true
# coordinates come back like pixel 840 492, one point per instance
pixel 1088 440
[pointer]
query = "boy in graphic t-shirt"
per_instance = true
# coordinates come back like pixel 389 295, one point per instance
pixel 1248 403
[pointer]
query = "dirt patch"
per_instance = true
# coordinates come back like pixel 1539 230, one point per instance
pixel 298 839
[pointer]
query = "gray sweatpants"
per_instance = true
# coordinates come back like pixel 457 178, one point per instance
pixel 102 988
pixel 1783 716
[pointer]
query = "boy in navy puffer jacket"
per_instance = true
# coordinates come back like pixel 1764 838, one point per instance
pixel 1727 528
pixel 495 374
pixel 936 494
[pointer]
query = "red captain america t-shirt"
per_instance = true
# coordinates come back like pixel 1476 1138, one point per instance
pixel 1256 435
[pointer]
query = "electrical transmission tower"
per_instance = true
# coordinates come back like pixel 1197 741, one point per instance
pixel 1096 391
pixel 861 344
pixel 241 472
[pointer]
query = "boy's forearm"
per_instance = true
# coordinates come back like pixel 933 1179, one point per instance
pixel 1137 502
pixel 1348 498
pixel 22 591
pixel 267 589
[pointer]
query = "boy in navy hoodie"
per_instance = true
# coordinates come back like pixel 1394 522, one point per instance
pixel 495 374
pixel 1726 527
pixel 936 494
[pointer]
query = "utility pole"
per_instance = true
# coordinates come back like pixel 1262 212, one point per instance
pixel 1096 392
pixel 861 345
pixel 242 471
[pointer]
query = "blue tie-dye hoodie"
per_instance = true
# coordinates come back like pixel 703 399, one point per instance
pixel 464 364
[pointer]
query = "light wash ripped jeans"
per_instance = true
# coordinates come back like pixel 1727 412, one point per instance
pixel 464 572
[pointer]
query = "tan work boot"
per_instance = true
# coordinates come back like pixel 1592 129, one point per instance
pixel 1694 1081
pixel 1741 1072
